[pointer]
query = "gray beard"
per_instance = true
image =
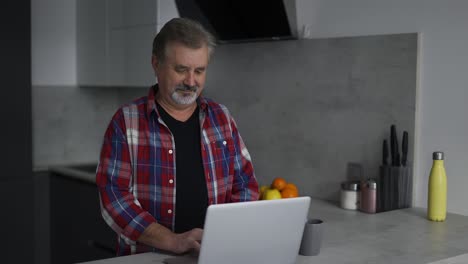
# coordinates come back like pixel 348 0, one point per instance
pixel 183 99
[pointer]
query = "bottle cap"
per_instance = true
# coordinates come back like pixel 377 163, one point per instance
pixel 371 184
pixel 438 155
pixel 350 186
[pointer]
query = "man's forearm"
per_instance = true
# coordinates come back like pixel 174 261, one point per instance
pixel 158 236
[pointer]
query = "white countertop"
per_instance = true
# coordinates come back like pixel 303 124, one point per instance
pixel 400 236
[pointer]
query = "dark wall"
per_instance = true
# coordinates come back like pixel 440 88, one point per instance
pixel 16 182
pixel 15 106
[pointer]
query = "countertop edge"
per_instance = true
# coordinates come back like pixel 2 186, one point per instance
pixel 74 174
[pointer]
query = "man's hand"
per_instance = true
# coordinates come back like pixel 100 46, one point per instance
pixel 158 236
pixel 189 240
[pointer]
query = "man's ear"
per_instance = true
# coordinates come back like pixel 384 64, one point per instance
pixel 154 63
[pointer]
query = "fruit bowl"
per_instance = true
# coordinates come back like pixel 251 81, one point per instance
pixel 278 189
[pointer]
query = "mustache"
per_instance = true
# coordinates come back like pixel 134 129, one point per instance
pixel 185 88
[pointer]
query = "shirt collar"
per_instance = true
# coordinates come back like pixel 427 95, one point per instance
pixel 201 101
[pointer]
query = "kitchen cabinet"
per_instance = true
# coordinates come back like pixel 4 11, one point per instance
pixel 127 13
pixel 130 56
pixel 114 40
pixel 77 231
pixel 91 42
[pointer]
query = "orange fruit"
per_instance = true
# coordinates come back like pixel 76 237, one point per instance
pixel 278 183
pixel 292 186
pixel 289 193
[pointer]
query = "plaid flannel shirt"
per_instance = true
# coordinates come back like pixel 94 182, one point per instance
pixel 136 176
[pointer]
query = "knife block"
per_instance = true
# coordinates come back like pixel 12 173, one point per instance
pixel 394 188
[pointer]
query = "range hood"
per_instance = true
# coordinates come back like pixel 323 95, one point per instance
pixel 241 20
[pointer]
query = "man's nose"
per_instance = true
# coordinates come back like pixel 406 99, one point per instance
pixel 190 79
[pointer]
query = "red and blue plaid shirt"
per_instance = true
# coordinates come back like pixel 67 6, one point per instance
pixel 136 176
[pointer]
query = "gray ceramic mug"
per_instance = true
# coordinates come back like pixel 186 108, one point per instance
pixel 312 238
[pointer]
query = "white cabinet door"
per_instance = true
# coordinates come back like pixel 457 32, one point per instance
pixel 91 42
pixel 130 56
pixel 166 10
pixel 131 13
pixel 115 40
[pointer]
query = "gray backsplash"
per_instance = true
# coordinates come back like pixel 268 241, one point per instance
pixel 305 108
pixel 69 122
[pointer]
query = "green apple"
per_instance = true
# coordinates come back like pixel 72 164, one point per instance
pixel 262 190
pixel 271 194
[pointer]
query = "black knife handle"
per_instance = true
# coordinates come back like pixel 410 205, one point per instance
pixel 393 144
pixel 385 153
pixel 404 149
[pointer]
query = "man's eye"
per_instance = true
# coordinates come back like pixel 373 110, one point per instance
pixel 180 70
pixel 199 71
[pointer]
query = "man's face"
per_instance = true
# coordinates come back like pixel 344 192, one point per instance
pixel 181 77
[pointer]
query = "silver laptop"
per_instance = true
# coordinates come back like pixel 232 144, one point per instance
pixel 267 231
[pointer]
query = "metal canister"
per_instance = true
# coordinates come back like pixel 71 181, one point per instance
pixel 350 195
pixel 368 201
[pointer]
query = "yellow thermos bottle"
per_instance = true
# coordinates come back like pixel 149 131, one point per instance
pixel 437 194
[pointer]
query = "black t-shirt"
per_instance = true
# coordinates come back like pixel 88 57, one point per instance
pixel 191 191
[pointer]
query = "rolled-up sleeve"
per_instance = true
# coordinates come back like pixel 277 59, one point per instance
pixel 245 186
pixel 119 207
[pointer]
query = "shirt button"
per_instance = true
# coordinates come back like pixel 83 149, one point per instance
pixel 169 211
pixel 171 181
pixel 224 142
pixel 170 151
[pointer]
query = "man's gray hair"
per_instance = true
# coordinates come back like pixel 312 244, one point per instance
pixel 185 31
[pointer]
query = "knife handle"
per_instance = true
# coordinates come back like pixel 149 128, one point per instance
pixel 385 153
pixel 393 145
pixel 404 148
